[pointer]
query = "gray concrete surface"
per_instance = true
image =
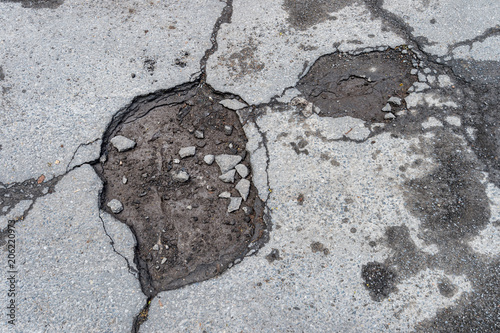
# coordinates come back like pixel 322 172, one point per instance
pixel 70 278
pixel 66 71
pixel 416 197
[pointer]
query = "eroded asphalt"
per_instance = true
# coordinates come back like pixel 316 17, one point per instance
pixel 250 166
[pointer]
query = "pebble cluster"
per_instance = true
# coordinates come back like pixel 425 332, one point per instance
pixel 229 165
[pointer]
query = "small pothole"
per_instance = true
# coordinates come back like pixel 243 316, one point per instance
pixel 370 86
pixel 177 164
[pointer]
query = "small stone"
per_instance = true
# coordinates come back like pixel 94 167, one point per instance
pixel 115 206
pixel 163 260
pixel 199 134
pixel 422 77
pixel 232 104
pixel 228 177
pixel 427 70
pixel 209 159
pixel 227 162
pixel 299 101
pixel 308 110
pixel 389 116
pixel 387 108
pixel 420 86
pixel 187 151
pixel 317 110
pixel 225 195
pixel 124 180
pixel 228 130
pixel 243 187
pixel 247 210
pixel 395 100
pixel 180 176
pixel 166 247
pixel 242 170
pixel 414 71
pixel 189 207
pixel 234 204
pixel 177 161
pixel 156 247
pixel 122 143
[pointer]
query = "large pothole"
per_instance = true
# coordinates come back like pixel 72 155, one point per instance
pixel 184 181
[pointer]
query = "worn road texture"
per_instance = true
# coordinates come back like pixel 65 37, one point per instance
pixel 250 166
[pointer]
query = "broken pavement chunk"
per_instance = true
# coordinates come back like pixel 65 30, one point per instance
pixel 232 104
pixel 395 100
pixel 243 188
pixel 234 204
pixel 386 108
pixel 180 176
pixel 227 162
pixel 115 206
pixel 228 177
pixel 187 151
pixel 225 195
pixel 199 134
pixel 122 143
pixel 209 159
pixel 242 170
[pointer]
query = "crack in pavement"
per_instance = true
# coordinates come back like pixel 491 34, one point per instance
pixel 225 17
pixel 68 169
pixel 493 31
pixel 131 269
pixel 376 9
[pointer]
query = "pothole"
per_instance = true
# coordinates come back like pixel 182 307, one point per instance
pixel 177 172
pixel 370 86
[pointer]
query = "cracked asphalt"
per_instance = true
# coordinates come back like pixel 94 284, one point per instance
pixel 287 166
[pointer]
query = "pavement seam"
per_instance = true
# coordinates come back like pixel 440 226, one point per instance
pixel 131 269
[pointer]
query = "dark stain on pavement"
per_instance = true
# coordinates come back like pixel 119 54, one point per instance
pixel 273 255
pixel 37 4
pixel 2 74
pixel 451 201
pixel 453 207
pixel 319 247
pixel 379 280
pixel 407 259
pixel 446 287
pixel 303 14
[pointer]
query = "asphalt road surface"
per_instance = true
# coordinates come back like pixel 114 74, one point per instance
pixel 250 166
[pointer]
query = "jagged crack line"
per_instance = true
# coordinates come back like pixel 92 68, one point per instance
pixel 74 155
pixel 495 31
pixel 131 269
pixel 264 142
pixel 225 17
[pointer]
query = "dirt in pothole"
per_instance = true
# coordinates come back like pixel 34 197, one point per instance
pixel 359 86
pixel 184 231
